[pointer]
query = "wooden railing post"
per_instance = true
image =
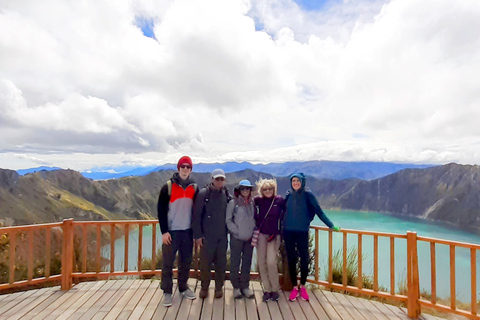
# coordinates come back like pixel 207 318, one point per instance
pixel 67 254
pixel 413 284
pixel 317 258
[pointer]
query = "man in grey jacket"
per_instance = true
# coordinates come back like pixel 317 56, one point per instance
pixel 210 231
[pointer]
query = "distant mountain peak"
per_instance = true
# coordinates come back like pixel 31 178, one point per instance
pixel 32 170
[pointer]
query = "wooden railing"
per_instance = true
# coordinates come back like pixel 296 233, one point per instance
pixel 412 297
pixel 432 302
pixel 78 244
pixel 412 267
pixel 113 228
pixel 23 239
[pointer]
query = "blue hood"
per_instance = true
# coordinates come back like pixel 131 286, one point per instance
pixel 300 176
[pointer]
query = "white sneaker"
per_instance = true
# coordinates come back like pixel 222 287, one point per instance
pixel 247 293
pixel 167 299
pixel 188 294
pixel 237 294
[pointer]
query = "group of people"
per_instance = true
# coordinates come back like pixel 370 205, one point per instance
pixel 189 216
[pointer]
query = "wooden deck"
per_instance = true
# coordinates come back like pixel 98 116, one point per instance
pixel 142 299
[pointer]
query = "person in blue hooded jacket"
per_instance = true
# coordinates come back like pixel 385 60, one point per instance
pixel 301 208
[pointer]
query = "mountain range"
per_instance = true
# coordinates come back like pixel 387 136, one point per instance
pixel 448 193
pixel 337 170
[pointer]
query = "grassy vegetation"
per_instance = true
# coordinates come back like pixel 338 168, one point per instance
pixel 352 268
pixel 66 199
pixel 21 256
pixel 352 273
pixel 39 262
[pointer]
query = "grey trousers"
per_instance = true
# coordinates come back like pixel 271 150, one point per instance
pixel 240 254
pixel 267 253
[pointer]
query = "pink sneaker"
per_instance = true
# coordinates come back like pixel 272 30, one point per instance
pixel 304 294
pixel 293 294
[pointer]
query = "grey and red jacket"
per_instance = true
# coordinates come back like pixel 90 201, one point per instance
pixel 175 210
pixel 271 226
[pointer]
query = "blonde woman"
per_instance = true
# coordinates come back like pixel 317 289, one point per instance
pixel 269 212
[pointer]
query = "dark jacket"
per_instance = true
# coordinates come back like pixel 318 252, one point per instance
pixel 271 226
pixel 209 216
pixel 175 210
pixel 301 208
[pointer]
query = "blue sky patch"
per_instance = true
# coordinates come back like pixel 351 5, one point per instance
pixel 359 135
pixel 259 26
pixel 311 5
pixel 146 25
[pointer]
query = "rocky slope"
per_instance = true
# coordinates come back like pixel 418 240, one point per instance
pixel 50 196
pixel 449 193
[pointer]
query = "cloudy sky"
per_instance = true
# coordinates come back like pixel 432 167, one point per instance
pixel 140 82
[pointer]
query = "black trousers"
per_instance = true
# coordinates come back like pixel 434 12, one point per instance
pixel 296 245
pixel 182 241
pixel 240 253
pixel 213 251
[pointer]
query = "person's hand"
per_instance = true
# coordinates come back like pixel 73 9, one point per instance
pixel 336 228
pixel 166 238
pixel 199 242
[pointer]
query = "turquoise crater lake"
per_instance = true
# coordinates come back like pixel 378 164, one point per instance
pixel 370 221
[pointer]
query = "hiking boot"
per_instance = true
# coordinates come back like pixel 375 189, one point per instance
pixel 218 294
pixel 188 294
pixel 237 294
pixel 203 293
pixel 167 299
pixel 266 296
pixel 247 293
pixel 304 294
pixel 274 296
pixel 293 294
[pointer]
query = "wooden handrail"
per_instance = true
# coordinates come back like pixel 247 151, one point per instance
pixel 450 242
pixel 74 267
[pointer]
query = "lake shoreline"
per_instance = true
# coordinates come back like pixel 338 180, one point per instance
pixel 413 217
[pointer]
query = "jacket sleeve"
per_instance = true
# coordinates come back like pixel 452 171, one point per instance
pixel 232 227
pixel 281 204
pixel 195 196
pixel 256 213
pixel 318 210
pixel 162 209
pixel 197 214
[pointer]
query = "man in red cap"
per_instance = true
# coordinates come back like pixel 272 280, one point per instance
pixel 174 209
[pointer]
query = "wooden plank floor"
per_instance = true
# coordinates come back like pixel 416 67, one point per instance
pixel 142 299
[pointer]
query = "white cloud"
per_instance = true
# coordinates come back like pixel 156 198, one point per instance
pixel 359 80
pixel 214 57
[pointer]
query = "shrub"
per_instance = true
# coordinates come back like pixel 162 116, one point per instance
pixel 352 268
